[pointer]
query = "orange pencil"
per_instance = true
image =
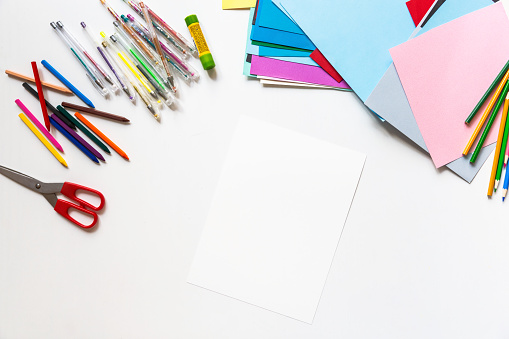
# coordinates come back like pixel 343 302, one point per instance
pixel 499 146
pixel 101 135
pixel 486 113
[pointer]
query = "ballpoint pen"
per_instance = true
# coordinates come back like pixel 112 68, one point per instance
pixel 94 63
pixel 155 41
pixel 137 84
pixel 150 73
pixel 176 35
pixel 121 80
pixel 181 66
pixel 89 73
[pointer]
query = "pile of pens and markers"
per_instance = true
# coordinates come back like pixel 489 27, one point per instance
pixel 142 66
pixel 499 98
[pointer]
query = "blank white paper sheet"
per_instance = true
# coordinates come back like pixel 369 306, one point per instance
pixel 276 218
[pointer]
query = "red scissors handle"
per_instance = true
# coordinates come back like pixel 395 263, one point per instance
pixel 69 190
pixel 62 207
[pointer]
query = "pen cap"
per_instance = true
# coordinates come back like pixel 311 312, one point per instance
pixel 205 56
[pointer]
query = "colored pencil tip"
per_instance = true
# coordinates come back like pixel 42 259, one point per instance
pixel 503 198
pixel 125 157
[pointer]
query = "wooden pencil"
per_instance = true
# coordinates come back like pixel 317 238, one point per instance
pixel 44 83
pixel 486 114
pixel 496 160
pixel 487 93
pixel 95 112
pixel 493 116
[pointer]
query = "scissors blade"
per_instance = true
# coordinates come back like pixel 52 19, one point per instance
pixel 51 198
pixel 29 182
pixel 20 178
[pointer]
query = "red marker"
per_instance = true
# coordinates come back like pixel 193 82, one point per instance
pixel 41 96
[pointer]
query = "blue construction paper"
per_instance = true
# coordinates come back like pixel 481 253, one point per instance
pixel 298 57
pixel 355 36
pixel 271 16
pixel 280 52
pixel 275 36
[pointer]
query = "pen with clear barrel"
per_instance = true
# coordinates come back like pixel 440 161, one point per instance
pixel 140 59
pixel 89 73
pixel 94 63
pixel 155 41
pixel 182 67
pixel 122 81
pixel 181 47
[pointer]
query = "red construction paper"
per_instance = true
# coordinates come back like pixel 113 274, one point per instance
pixel 418 9
pixel 318 57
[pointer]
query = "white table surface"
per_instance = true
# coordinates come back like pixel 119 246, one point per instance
pixel 422 255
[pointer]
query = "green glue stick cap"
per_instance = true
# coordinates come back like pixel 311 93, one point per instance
pixel 207 61
pixel 191 19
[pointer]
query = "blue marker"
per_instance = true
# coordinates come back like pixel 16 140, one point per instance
pixel 73 140
pixel 67 83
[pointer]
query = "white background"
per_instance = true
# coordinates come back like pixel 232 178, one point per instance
pixel 423 254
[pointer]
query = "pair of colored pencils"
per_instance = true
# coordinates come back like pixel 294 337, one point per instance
pixel 40 132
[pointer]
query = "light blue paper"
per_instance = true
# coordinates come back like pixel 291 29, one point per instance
pixel 355 36
pixel 272 17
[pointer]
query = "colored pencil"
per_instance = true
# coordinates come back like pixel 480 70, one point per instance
pixel 505 126
pixel 39 125
pixel 67 83
pixel 487 94
pixel 83 129
pixel 486 114
pixel 81 140
pixel 39 135
pixel 490 123
pixel 59 125
pixel 101 135
pixel 95 112
pixel 44 83
pixel 506 184
pixel 41 95
pixel 32 91
pixel 497 166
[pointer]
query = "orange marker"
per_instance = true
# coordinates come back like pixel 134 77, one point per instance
pixel 101 135
pixel 486 114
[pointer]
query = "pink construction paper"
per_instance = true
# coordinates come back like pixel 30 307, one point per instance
pixel 292 71
pixel 446 71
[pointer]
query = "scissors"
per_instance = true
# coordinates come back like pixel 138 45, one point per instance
pixel 49 191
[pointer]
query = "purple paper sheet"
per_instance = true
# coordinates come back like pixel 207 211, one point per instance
pixel 292 71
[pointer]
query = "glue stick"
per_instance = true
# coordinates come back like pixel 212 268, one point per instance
pixel 199 40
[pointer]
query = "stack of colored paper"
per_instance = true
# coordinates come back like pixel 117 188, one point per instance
pixel 279 53
pixel 440 72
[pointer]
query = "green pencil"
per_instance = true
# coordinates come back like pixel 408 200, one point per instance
pixel 490 122
pixel 502 153
pixel 83 129
pixel 487 94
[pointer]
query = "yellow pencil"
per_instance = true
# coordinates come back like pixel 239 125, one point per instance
pixel 486 114
pixel 41 137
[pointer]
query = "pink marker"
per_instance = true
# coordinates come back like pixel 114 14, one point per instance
pixel 39 125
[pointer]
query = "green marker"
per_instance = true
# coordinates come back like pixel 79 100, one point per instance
pixel 199 40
